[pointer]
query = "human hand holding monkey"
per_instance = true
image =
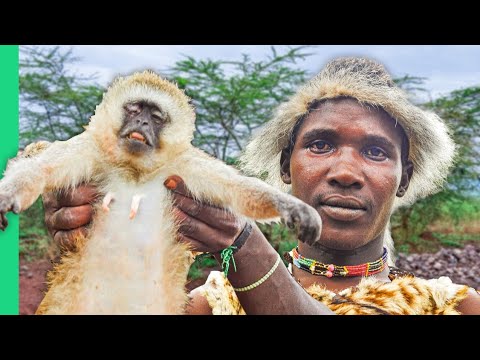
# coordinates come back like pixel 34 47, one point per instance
pixel 205 228
pixel 68 214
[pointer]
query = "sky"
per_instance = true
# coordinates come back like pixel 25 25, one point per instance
pixel 446 67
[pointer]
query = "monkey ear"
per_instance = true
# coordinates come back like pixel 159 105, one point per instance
pixel 285 166
pixel 407 171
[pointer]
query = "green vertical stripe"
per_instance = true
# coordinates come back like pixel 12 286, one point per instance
pixel 8 149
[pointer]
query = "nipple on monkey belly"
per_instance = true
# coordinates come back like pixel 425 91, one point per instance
pixel 135 204
pixel 110 196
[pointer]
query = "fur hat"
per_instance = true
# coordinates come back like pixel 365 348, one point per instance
pixel 431 147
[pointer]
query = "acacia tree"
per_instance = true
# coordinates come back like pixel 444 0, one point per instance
pixel 461 109
pixel 55 103
pixel 459 199
pixel 233 98
pixel 413 85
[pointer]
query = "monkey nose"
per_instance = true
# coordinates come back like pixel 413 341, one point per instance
pixel 143 122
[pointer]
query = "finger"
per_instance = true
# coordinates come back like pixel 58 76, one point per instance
pixel 212 238
pixel 216 217
pixel 68 218
pixel 50 202
pixel 69 240
pixel 194 245
pixel 177 185
pixel 189 226
pixel 83 194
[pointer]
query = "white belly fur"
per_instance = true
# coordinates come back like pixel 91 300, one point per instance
pixel 124 260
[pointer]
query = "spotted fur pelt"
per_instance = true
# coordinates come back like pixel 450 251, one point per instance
pixel 404 295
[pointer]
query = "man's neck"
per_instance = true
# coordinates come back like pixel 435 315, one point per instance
pixel 369 252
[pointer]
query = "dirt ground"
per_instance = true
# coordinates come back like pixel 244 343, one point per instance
pixel 32 284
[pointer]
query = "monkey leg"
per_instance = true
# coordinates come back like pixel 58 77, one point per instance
pixel 251 197
pixel 60 165
pixel 255 199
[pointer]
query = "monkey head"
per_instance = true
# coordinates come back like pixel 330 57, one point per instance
pixel 142 125
pixel 142 114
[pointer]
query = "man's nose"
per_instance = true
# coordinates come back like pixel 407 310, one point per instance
pixel 346 170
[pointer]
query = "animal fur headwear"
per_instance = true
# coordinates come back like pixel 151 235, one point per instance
pixel 431 147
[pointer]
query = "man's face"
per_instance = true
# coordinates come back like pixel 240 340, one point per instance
pixel 346 163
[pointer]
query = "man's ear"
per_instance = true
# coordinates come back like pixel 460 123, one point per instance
pixel 285 166
pixel 407 171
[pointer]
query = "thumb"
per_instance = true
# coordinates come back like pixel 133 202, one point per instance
pixel 177 185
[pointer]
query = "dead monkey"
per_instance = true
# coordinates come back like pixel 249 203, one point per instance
pixel 130 263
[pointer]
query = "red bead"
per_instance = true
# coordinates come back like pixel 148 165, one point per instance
pixel 331 267
pixel 329 274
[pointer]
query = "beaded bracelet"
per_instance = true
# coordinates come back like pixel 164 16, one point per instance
pixel 262 280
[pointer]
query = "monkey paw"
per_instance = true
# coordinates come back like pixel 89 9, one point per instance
pixel 7 203
pixel 303 217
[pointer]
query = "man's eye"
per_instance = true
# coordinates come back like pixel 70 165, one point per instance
pixel 320 147
pixel 376 153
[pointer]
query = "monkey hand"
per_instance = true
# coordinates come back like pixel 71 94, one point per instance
pixel 204 227
pixel 303 217
pixel 7 203
pixel 68 214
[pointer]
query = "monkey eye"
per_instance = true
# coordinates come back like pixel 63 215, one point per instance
pixel 159 116
pixel 133 108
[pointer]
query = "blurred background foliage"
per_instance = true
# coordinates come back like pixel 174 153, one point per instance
pixel 232 99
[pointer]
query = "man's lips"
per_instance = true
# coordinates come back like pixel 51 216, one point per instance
pixel 343 208
pixel 347 202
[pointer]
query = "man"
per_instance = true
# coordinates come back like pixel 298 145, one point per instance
pixel 350 144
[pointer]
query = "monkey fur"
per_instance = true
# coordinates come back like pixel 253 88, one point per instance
pixel 130 261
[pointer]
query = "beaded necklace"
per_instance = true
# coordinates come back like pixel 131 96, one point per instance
pixel 329 270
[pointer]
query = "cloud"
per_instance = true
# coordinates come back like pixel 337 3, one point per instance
pixel 447 67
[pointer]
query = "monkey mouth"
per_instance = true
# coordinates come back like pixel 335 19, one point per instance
pixel 136 136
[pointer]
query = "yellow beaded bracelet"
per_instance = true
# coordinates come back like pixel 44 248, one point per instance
pixel 262 280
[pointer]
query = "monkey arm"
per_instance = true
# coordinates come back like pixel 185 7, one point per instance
pixel 213 181
pixel 62 164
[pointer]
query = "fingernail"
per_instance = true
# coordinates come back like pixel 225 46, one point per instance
pixel 170 184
